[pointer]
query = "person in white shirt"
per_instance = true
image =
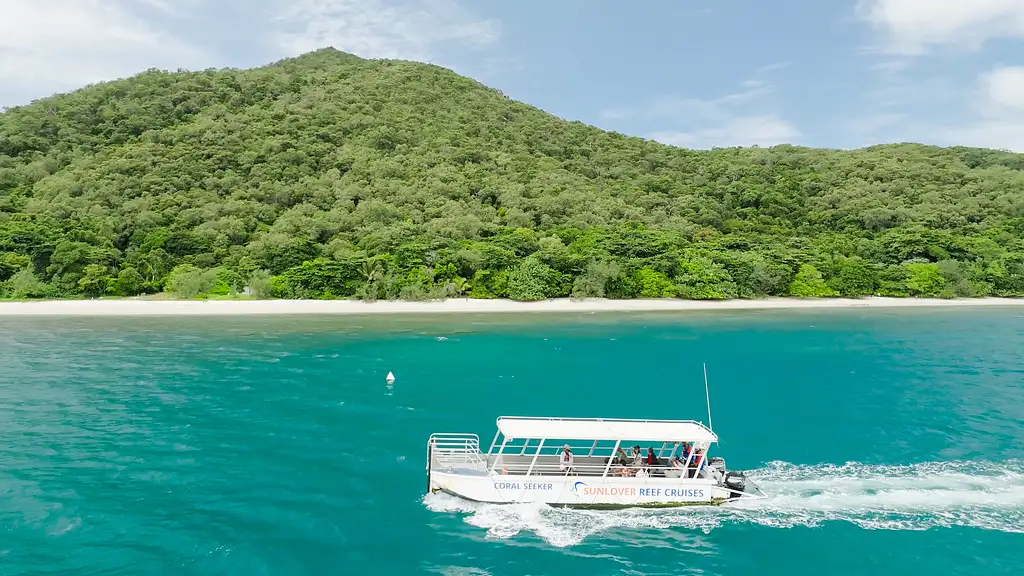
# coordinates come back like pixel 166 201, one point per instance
pixel 565 461
pixel 638 457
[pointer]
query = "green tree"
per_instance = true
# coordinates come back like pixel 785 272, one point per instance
pixel 853 277
pixel 963 280
pixel 128 282
pixel 11 263
pixel 1006 275
pixel 186 281
pixel 593 283
pixel 653 284
pixel 894 281
pixel 372 272
pixel 223 281
pixel 770 278
pixel 280 287
pixel 94 281
pixel 260 285
pixel 531 280
pixel 68 265
pixel 25 284
pixel 809 283
pixel 324 278
pixel 703 279
pixel 489 284
pixel 925 279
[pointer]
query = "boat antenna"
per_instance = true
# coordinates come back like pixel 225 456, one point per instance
pixel 707 396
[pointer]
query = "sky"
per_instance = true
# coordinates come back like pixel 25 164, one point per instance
pixel 693 73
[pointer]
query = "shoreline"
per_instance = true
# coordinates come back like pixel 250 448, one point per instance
pixel 138 307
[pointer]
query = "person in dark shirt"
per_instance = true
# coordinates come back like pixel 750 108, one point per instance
pixel 654 464
pixel 684 451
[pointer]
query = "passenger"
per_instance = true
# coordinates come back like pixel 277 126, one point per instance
pixel 638 457
pixel 696 465
pixel 565 461
pixel 620 463
pixel 676 467
pixel 684 456
pixel 653 463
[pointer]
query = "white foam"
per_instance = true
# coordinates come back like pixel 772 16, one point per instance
pixel 916 497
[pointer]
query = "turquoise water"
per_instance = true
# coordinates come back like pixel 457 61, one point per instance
pixel 890 442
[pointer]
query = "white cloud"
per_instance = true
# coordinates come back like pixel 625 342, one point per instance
pixel 723 122
pixel 774 66
pixel 1000 112
pixel 989 114
pixel 911 27
pixel 48 46
pixel 415 30
pixel 1004 90
pixel 672 107
pixel 53 45
pixel 159 5
pixel 766 130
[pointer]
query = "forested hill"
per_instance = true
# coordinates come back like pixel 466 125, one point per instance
pixel 332 176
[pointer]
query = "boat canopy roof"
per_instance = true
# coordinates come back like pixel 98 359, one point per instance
pixel 605 429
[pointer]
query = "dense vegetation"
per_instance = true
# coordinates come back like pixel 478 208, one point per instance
pixel 329 176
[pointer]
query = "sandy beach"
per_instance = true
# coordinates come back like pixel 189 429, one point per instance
pixel 141 307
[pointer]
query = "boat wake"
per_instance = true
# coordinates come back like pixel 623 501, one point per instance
pixel 915 497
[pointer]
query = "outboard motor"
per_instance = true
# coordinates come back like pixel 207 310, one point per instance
pixel 735 481
pixel 716 467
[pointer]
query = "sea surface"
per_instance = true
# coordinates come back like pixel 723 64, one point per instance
pixel 891 442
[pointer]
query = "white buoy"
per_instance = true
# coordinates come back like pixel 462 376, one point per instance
pixel 390 378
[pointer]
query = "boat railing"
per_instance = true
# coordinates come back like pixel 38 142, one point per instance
pixel 455 450
pixel 615 470
pixel 602 448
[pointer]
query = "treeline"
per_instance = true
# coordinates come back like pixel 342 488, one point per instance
pixel 328 176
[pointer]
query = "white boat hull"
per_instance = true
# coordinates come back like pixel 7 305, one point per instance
pixel 580 491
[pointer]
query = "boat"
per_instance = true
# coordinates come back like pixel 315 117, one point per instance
pixel 527 462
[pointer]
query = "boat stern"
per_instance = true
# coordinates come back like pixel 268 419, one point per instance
pixel 450 456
